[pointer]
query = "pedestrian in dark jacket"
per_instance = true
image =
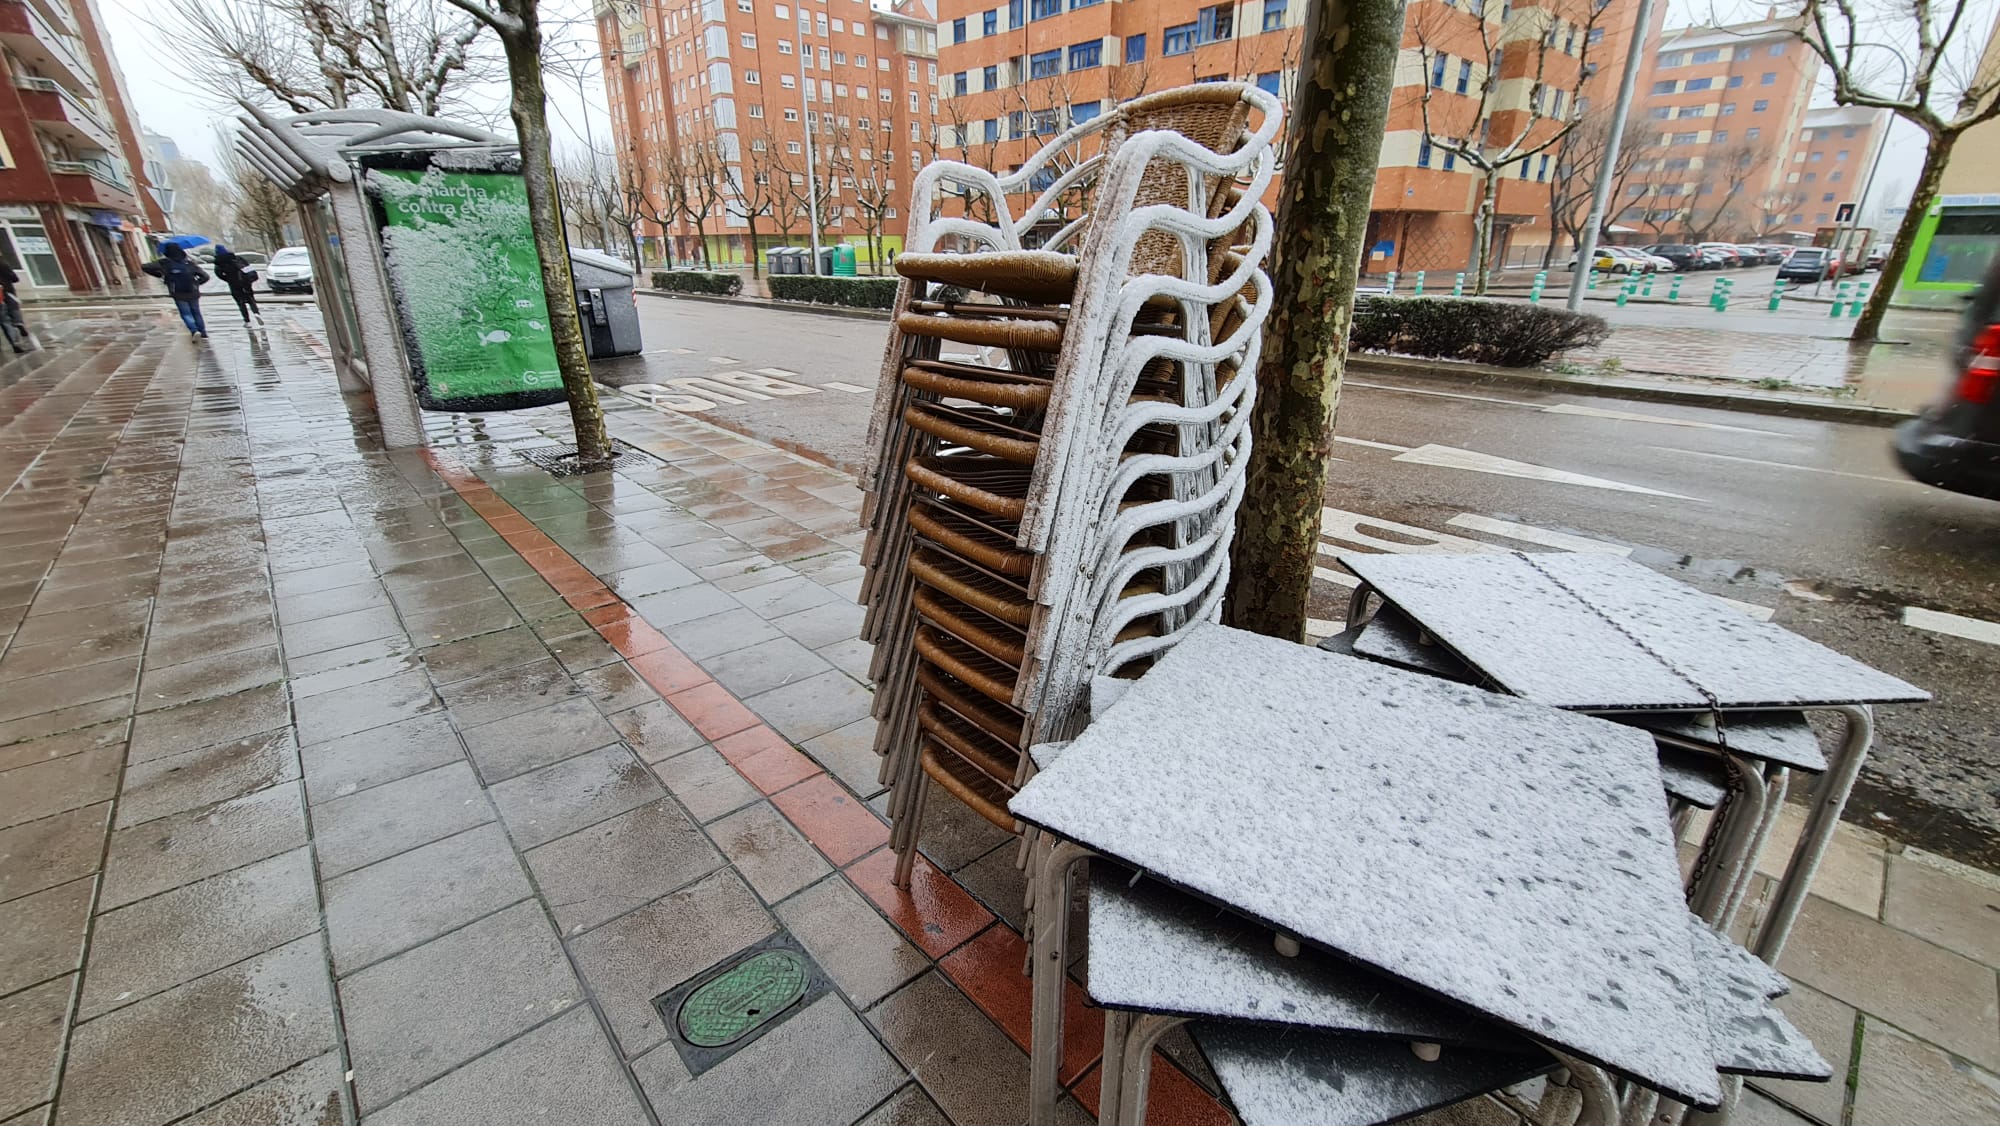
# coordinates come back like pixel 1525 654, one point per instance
pixel 10 307
pixel 231 268
pixel 183 280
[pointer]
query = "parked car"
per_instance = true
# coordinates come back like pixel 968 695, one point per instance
pixel 1731 257
pixel 1759 255
pixel 1955 444
pixel 289 271
pixel 1683 256
pixel 1607 260
pixel 1878 255
pixel 1658 263
pixel 1712 258
pixel 1808 264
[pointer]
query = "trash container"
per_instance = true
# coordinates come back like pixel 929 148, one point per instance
pixel 825 262
pixel 605 304
pixel 777 260
pixel 843 260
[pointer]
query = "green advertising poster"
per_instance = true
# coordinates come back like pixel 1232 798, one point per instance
pixel 462 263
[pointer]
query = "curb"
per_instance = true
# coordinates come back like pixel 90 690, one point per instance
pixel 1482 376
pixel 770 303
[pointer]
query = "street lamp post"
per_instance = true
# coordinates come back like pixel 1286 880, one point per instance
pixel 812 163
pixel 1600 194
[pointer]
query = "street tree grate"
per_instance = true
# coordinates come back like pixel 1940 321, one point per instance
pixel 726 1009
pixel 560 460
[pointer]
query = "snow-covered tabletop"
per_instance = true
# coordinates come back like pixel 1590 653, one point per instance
pixel 1499 854
pixel 1782 737
pixel 1598 632
pixel 1393 639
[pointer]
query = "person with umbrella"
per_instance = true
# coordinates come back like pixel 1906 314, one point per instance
pixel 183 280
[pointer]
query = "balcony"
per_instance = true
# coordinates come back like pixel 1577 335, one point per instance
pixel 64 116
pixel 45 47
pixel 90 184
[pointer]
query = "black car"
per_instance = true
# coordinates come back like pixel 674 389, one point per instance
pixel 1683 257
pixel 1955 444
pixel 1807 264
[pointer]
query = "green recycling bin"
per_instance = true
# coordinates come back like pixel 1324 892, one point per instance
pixel 843 261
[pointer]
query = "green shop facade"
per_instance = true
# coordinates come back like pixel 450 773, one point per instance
pixel 1953 249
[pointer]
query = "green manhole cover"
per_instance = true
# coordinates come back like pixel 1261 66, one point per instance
pixel 730 1006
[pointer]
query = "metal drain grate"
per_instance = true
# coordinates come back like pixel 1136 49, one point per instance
pixel 561 460
pixel 728 1008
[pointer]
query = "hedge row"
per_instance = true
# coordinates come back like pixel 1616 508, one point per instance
pixel 858 293
pixel 696 281
pixel 1488 332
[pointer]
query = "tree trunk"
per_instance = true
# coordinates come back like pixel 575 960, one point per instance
pixel 1869 328
pixel 750 218
pixel 1482 231
pixel 1334 137
pixel 538 175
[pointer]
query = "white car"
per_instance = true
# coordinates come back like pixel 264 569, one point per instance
pixel 290 271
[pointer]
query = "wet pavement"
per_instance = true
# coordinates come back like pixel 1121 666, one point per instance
pixel 344 785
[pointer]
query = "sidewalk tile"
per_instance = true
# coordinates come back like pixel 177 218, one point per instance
pixel 1956 914
pixel 777 600
pixel 833 621
pixel 616 687
pixel 635 958
pixel 365 663
pixel 1850 873
pixel 853 657
pixel 819 1068
pixel 556 800
pixel 175 1052
pixel 1172 1097
pixel 64 720
pixel 1925 989
pixel 955 836
pixel 303 639
pixel 934 910
pixel 562 1072
pixel 53 691
pixel 767 851
pixel 848 753
pixel 163 786
pixel 992 971
pixel 478 656
pixel 191 727
pixel 221 675
pixel 685 604
pixel 713 710
pixel 768 665
pixel 1829 1024
pixel 31 1042
pixel 311 1094
pixel 250 631
pixel 394 817
pixel 910 1107
pixel 198 928
pixel 332 576
pixel 609 868
pixel 705 783
pixel 58 785
pixel 158 855
pixel 966 1064
pixel 832 819
pixel 41 935
pixel 56 656
pixel 497 695
pixel 668 670
pixel 865 956
pixel 345 711
pixel 627 633
pixel 307 606
pixel 73 742
pixel 420 1014
pixel 712 636
pixel 467 619
pixel 54 850
pixel 814 706
pixel 1904 1080
pixel 520 743
pixel 383 754
pixel 411 898
pixel 655 731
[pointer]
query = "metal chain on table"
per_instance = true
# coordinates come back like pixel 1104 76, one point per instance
pixel 1714 704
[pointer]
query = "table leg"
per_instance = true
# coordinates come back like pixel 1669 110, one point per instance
pixel 1135 1072
pixel 1735 839
pixel 1777 784
pixel 1050 950
pixel 1829 798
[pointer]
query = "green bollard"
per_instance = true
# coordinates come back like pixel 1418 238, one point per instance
pixel 1860 299
pixel 1722 301
pixel 1649 286
pixel 1674 291
pixel 1840 292
pixel 1624 294
pixel 1392 281
pixel 1420 283
pixel 1458 285
pixel 1590 279
pixel 1777 294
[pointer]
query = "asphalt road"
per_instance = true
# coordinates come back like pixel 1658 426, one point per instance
pixel 1808 521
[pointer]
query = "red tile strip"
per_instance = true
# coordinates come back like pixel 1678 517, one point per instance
pixel 989 971
pixel 934 910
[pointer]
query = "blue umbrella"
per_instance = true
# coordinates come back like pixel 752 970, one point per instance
pixel 186 242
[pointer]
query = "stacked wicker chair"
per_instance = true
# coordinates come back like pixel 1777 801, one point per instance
pixel 1063 511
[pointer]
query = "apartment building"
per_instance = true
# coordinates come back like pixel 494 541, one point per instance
pixel 1719 121
pixel 734 117
pixel 1829 163
pixel 74 209
pixel 1017 72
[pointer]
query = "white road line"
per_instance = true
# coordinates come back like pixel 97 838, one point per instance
pixel 1749 609
pixel 724 360
pixel 1369 444
pixel 1663 420
pixel 1370 531
pixel 1788 465
pixel 1450 457
pixel 1527 533
pixel 1337 578
pixel 681 351
pixel 1937 621
pixel 849 388
pixel 1437 394
pixel 1319 629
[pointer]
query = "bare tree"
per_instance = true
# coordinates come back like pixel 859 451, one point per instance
pixel 1464 128
pixel 262 210
pixel 517 24
pixel 1576 168
pixel 709 181
pixel 757 193
pixel 203 204
pixel 1725 174
pixel 1942 90
pixel 1773 210
pixel 410 55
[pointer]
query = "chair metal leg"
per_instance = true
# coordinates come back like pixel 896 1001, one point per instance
pixel 1111 1070
pixel 1600 1098
pixel 1741 821
pixel 1052 879
pixel 1829 798
pixel 906 853
pixel 1776 785
pixel 1135 1072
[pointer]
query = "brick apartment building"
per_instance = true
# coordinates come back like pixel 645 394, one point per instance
pixel 711 102
pixel 1717 121
pixel 1829 163
pixel 74 207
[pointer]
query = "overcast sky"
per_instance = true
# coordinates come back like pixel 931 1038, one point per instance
pixel 168 104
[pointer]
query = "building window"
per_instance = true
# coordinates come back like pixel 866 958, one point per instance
pixel 1015 10
pixel 1735 81
pixel 1827 198
pixel 958 30
pixel 990 78
pixel 1014 124
pixel 1217 22
pixel 1542 173
pixel 1694 84
pixel 1759 106
pixel 1083 56
pixel 1847 133
pixel 1835 176
pixel 992 129
pixel 787 81
pixel 1135 48
pixel 1660 113
pixel 792 147
pixel 1752 134
pixel 1798 218
pixel 1713 54
pixel 1450 161
pixel 1720 136
pixel 1666 87
pixel 1178 40
pixel 989 22
pixel 1596 36
pixel 748 40
pixel 1084 111
pixel 1075 4
pixel 784 46
pixel 1768 78
pixel 1046 64
pixel 1811 176
pixel 1464 75
pixel 1686 138
pixel 782 12
pixel 1727 109
pixel 1814 158
pixel 756 109
pixel 1670 60
pixel 1268 82
pixel 1694 111
pixel 1424 153
pixel 1841 155
pixel 1274 14
pixel 1437 71
pixel 1044 122
pixel 1777 49
pixel 1043 9
pixel 752 78
pixel 791 115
